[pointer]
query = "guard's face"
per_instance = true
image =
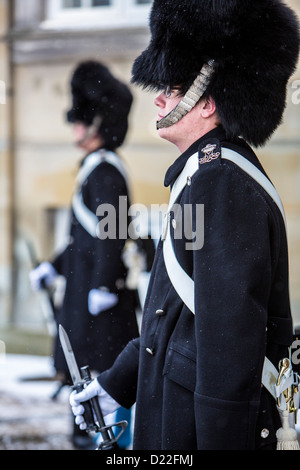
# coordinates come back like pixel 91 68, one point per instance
pixel 166 102
pixel 182 133
pixel 197 122
pixel 84 138
pixel 79 133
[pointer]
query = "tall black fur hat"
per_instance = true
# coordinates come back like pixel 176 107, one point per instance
pixel 97 93
pixel 255 45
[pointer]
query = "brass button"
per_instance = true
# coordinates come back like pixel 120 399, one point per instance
pixel 265 432
pixel 150 351
pixel 120 284
pixel 160 312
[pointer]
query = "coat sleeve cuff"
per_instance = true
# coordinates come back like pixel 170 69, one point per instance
pixel 120 381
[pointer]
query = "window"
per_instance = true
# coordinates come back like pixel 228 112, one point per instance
pixel 85 3
pixel 84 14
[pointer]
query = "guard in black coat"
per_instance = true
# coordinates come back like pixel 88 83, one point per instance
pixel 98 310
pixel 197 371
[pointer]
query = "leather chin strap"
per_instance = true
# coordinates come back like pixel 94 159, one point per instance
pixel 92 130
pixel 191 98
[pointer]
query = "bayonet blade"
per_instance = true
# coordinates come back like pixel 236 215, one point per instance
pixel 69 355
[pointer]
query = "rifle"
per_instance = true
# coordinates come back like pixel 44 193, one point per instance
pixel 46 297
pixel 93 414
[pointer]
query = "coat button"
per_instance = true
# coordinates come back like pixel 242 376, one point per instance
pixel 160 312
pixel 150 351
pixel 265 432
pixel 189 181
pixel 174 224
pixel 120 284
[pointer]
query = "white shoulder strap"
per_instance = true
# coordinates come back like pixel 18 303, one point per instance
pixel 182 282
pixel 256 174
pixel 85 217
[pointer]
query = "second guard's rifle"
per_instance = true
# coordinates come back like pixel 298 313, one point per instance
pixel 45 294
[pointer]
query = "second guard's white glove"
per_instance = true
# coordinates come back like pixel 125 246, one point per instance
pixel 107 404
pixel 101 300
pixel 44 272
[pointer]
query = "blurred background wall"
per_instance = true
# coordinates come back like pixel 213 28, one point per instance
pixel 42 41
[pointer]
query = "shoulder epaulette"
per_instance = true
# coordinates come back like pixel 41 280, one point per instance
pixel 209 152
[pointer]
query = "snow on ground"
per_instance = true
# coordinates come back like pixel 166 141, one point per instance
pixel 29 417
pixel 15 368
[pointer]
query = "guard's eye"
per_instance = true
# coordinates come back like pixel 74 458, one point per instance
pixel 168 91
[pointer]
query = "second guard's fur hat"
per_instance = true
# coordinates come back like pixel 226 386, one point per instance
pixel 100 100
pixel 245 50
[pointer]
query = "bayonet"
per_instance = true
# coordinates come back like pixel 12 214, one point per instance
pixel 70 357
pixel 93 414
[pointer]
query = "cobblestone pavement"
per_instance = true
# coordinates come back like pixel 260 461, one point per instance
pixel 29 418
pixel 41 425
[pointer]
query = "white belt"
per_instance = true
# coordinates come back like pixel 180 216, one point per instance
pixel 88 220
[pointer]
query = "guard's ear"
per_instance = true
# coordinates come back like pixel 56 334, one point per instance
pixel 207 107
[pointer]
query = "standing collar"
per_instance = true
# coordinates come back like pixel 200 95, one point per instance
pixel 178 165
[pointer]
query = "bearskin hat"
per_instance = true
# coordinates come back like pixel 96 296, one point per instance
pixel 254 45
pixel 97 93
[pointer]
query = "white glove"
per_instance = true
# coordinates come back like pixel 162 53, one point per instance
pixel 107 403
pixel 100 300
pixel 44 272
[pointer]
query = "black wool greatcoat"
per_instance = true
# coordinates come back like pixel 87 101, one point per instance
pixel 89 262
pixel 196 379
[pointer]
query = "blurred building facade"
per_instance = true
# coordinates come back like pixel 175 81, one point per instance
pixel 42 42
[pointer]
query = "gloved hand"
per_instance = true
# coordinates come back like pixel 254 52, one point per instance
pixel 107 404
pixel 100 300
pixel 44 272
